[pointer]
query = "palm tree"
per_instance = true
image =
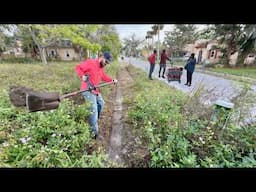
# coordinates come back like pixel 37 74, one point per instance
pixel 151 36
pixel 156 30
pixel 131 44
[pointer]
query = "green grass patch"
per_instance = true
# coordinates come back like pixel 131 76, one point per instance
pixel 57 138
pixel 244 72
pixel 176 138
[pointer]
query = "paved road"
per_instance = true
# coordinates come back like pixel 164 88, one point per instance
pixel 215 87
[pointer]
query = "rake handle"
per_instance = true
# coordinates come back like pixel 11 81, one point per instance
pixel 78 92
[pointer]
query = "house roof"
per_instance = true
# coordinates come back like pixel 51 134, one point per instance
pixel 188 47
pixel 201 43
pixel 62 43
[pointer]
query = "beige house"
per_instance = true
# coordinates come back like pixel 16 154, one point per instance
pixel 15 51
pixel 205 50
pixel 63 50
pixel 208 51
pixel 250 59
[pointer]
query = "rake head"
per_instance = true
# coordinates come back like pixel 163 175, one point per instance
pixel 42 101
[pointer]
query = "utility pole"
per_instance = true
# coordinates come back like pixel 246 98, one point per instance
pixel 130 55
pixel 158 47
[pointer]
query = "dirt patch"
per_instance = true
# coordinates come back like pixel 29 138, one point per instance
pixel 117 124
pixel 134 146
pixel 125 145
pixel 77 99
pixel 105 121
pixel 105 125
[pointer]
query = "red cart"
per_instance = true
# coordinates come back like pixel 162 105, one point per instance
pixel 174 74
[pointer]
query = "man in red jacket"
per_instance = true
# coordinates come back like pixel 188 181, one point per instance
pixel 92 72
pixel 163 59
pixel 152 61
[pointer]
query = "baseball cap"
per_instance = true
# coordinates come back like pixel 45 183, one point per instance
pixel 107 57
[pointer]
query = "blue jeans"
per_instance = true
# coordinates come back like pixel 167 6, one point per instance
pixel 162 66
pixel 151 69
pixel 96 106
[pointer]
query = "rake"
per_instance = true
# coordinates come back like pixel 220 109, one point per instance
pixel 42 101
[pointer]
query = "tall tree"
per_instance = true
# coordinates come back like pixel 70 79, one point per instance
pixel 37 37
pixel 2 42
pixel 181 35
pixel 131 44
pixel 6 37
pixel 248 42
pixel 108 38
pixel 156 30
pixel 150 35
pixel 81 36
pixel 230 35
pixel 206 33
pixel 47 35
pixel 28 44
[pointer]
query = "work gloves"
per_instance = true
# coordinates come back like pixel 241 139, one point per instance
pixel 91 87
pixel 85 78
pixel 114 81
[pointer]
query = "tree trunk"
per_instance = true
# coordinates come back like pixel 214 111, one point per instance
pixel 241 57
pixel 152 43
pixel 158 44
pixel 81 53
pixel 231 48
pixel 43 56
pixel 227 59
pixel 41 49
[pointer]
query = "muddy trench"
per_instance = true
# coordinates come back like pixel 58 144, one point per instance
pixel 122 144
pixel 115 143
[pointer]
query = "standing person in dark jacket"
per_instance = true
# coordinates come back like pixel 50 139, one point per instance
pixel 190 68
pixel 152 61
pixel 163 63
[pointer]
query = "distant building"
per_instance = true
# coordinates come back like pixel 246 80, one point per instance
pixel 205 50
pixel 63 50
pixel 15 51
pixel 209 51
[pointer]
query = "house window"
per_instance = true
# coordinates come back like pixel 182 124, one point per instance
pixel 212 54
pixel 68 44
pixel 52 53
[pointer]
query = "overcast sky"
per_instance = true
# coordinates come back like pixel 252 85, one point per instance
pixel 140 30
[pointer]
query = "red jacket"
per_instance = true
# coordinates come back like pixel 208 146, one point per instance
pixel 96 74
pixel 163 58
pixel 152 58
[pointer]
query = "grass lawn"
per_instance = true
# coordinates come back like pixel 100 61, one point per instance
pixel 246 72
